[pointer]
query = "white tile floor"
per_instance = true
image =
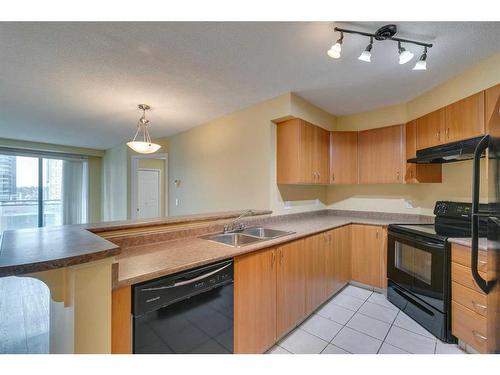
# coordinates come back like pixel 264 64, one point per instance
pixel 360 321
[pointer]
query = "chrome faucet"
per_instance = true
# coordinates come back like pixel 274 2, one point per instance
pixel 231 227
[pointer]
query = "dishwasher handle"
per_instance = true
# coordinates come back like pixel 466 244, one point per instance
pixel 186 282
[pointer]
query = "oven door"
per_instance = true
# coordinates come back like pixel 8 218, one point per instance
pixel 418 264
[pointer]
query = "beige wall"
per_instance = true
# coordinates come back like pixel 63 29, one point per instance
pixel 230 163
pixel 456 177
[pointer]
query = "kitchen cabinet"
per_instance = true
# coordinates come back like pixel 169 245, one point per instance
pixel 418 173
pixel 368 250
pixel 315 248
pixel 291 286
pixel 338 259
pixel 255 301
pixel 381 155
pixel 121 321
pixel 492 110
pixel 474 314
pixel 343 157
pixel 430 128
pixel 302 153
pixel 464 119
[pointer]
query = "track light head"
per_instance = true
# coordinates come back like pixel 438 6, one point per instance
pixel 336 49
pixel 422 62
pixel 404 55
pixel 366 55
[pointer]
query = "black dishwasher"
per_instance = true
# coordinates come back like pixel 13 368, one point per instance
pixel 188 312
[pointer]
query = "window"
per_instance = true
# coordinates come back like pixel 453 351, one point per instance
pixel 41 189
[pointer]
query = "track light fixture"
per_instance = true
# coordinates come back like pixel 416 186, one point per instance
pixel 334 51
pixel 366 55
pixel 388 33
pixel 422 62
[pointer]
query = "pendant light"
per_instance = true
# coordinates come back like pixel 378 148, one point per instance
pixel 144 146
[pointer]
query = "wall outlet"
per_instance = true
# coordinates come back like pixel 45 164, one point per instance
pixel 288 205
pixel 177 201
pixel 409 203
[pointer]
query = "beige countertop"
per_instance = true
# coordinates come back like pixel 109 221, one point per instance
pixel 41 249
pixel 146 262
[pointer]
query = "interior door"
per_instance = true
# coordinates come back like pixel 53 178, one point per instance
pixel 148 193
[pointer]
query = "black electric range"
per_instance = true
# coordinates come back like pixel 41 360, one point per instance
pixel 419 262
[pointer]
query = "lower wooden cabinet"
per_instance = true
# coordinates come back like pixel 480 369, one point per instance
pixel 316 248
pixel 291 286
pixel 368 255
pixel 341 245
pixel 277 288
pixel 474 314
pixel 255 301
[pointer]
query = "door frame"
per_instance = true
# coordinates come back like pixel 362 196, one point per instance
pixel 134 167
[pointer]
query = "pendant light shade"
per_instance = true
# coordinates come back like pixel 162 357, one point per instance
pixel 422 62
pixel 336 49
pixel 143 145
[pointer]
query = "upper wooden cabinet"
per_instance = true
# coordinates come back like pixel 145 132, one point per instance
pixel 291 286
pixel 255 302
pixel 460 120
pixel 492 110
pixel 302 153
pixel 417 173
pixel 381 155
pixel 430 128
pixel 344 157
pixel 465 118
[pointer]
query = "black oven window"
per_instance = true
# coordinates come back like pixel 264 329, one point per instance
pixel 413 261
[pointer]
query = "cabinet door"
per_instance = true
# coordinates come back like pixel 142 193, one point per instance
pixel 255 302
pixel 465 118
pixel 342 242
pixel 430 128
pixel 291 286
pixel 344 157
pixel 492 110
pixel 307 159
pixel 381 155
pixel 321 155
pixel 314 250
pixel 417 173
pixel 368 255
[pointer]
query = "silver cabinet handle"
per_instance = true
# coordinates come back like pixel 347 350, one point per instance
pixel 281 256
pixel 272 259
pixel 477 334
pixel 180 283
pixel 482 263
pixel 481 306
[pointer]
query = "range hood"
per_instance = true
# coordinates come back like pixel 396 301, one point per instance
pixel 448 153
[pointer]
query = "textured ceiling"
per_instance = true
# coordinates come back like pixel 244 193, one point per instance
pixel 79 83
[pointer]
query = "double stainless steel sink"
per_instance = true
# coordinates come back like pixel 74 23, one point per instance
pixel 246 236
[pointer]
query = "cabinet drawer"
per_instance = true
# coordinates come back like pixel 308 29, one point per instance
pixel 469 327
pixel 469 298
pixel 461 255
pixel 462 275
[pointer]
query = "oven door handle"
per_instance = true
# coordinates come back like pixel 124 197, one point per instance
pixel 476 179
pixel 417 240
